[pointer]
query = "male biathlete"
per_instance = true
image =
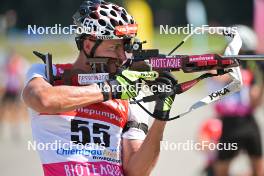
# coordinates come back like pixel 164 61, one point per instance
pixel 114 132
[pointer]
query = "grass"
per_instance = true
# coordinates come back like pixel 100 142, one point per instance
pixel 166 42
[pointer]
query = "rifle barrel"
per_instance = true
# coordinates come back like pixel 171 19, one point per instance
pixel 246 57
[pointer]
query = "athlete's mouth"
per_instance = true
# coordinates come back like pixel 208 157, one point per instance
pixel 104 64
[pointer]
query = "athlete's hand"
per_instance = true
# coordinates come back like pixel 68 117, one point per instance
pixel 125 86
pixel 164 103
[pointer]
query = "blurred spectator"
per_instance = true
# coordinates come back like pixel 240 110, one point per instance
pixel 7 21
pixel 239 126
pixel 13 71
pixel 210 132
pixel 237 114
pixel 258 24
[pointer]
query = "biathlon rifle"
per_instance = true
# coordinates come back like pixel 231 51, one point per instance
pixel 223 64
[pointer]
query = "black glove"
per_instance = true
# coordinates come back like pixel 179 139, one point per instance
pixel 165 101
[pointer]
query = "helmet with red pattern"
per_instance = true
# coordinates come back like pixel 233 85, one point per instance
pixel 100 20
pixel 103 20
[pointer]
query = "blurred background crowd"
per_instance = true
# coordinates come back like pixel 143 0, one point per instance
pixel 240 118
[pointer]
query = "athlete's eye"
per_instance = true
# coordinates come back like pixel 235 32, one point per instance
pixel 115 47
pixel 112 47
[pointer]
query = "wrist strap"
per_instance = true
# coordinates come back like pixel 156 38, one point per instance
pixel 114 85
pixel 105 89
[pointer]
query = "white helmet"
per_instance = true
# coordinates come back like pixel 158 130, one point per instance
pixel 104 21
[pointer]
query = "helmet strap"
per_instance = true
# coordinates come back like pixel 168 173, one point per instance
pixel 92 53
pixel 79 43
pixel 93 50
pixel 96 45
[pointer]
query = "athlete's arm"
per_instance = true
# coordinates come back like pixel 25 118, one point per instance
pixel 43 97
pixel 139 157
pixel 140 162
pixel 222 79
